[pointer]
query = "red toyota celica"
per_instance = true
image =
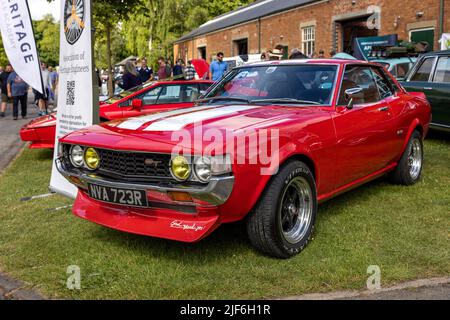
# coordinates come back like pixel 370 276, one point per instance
pixel 267 143
pixel 148 98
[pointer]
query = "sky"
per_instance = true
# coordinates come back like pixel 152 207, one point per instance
pixel 39 8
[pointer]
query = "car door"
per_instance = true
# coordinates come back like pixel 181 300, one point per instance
pixel 363 131
pixel 399 120
pixel 149 97
pixel 439 93
pixel 170 97
pixel 420 78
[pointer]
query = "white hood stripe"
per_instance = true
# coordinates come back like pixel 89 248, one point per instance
pixel 136 123
pixel 181 121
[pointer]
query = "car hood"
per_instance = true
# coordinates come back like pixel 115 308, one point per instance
pixel 44 121
pixel 160 132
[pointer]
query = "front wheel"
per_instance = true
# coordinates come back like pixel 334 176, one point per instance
pixel 282 222
pixel 409 168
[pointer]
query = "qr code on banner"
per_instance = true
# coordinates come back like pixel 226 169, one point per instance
pixel 70 99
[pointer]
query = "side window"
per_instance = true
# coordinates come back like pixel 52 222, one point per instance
pixel 151 96
pixel 189 93
pixel 402 69
pixel 170 94
pixel 424 71
pixel 362 77
pixel 383 85
pixel 442 74
pixel 204 86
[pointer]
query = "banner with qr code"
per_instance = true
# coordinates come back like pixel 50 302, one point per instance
pixel 77 105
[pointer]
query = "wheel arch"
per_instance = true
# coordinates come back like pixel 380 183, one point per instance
pixel 305 159
pixel 414 126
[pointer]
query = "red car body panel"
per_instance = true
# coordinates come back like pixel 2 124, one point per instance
pixel 345 148
pixel 41 132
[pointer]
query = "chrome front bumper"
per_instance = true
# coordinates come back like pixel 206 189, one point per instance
pixel 215 193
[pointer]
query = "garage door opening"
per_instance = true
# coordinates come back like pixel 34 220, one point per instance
pixel 240 47
pixel 202 52
pixel 355 28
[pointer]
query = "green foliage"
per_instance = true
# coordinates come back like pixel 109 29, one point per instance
pixel 119 49
pixel 151 31
pixel 134 27
pixel 47 39
pixel 3 58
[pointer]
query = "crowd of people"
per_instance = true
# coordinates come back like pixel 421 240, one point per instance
pixel 138 72
pixel 14 91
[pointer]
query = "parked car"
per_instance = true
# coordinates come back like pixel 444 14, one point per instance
pixel 431 75
pixel 330 125
pixel 398 67
pixel 148 98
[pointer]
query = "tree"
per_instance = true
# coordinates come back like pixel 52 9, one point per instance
pixel 47 39
pixel 106 16
pixel 3 57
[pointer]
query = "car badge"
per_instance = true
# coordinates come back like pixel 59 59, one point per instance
pixel 151 162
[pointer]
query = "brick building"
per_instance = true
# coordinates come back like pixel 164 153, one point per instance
pixel 314 25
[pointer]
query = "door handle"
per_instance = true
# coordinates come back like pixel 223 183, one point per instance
pixel 383 109
pixel 427 88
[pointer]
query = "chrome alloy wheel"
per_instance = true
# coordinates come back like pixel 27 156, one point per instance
pixel 415 159
pixel 295 211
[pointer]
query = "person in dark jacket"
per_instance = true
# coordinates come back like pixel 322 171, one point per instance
pixel 178 71
pixel 145 72
pixel 130 77
pixel 4 89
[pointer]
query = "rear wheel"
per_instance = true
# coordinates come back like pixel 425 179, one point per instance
pixel 283 221
pixel 409 169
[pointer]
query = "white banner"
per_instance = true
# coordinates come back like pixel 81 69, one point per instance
pixel 445 41
pixel 77 101
pixel 19 43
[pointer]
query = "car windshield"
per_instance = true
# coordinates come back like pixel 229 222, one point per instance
pixel 288 84
pixel 126 93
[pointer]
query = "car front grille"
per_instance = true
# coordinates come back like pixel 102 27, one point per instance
pixel 134 165
pixel 129 166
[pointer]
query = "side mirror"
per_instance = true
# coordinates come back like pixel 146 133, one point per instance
pixel 352 94
pixel 136 104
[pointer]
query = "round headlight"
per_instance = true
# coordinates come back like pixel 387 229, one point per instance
pixel 180 168
pixel 76 156
pixel 91 158
pixel 203 169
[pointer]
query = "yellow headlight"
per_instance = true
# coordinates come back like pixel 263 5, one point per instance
pixel 91 158
pixel 180 168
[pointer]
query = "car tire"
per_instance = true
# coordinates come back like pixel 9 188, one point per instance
pixel 409 168
pixel 282 222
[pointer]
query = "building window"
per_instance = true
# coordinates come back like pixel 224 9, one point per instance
pixel 202 52
pixel 308 40
pixel 240 47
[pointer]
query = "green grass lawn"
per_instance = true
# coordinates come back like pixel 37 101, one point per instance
pixel 404 230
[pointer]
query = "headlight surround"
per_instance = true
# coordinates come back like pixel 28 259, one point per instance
pixel 91 158
pixel 221 165
pixel 203 169
pixel 180 168
pixel 77 156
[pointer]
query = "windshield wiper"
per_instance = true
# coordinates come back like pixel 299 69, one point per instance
pixel 285 100
pixel 223 99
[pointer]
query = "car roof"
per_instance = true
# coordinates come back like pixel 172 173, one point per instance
pixel 306 61
pixel 395 60
pixel 437 53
